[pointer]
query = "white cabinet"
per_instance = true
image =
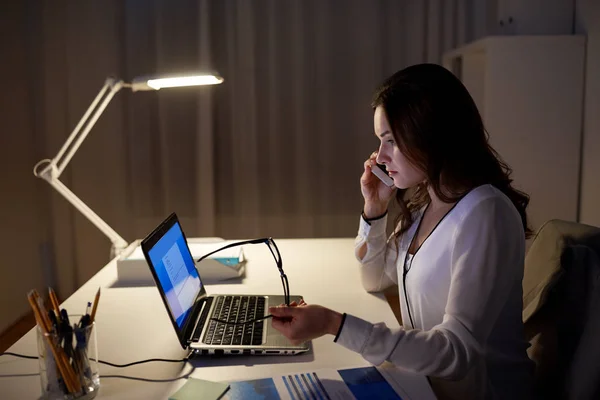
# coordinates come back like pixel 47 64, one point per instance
pixel 529 91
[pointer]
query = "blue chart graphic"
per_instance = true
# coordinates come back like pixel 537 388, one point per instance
pixel 364 383
pixel 259 389
pixel 305 386
pixel 368 383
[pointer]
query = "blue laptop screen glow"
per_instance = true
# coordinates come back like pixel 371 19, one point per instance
pixel 176 272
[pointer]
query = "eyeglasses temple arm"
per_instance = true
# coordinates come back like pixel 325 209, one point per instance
pixel 254 241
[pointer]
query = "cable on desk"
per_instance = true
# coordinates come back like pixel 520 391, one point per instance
pixel 141 362
pixel 8 353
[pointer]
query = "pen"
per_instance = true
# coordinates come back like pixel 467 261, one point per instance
pixel 84 321
pixel 65 316
pixel 54 322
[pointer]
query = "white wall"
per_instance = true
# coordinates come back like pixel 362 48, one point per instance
pixel 588 21
pixel 534 17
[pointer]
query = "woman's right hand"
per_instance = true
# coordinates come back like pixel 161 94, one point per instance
pixel 377 195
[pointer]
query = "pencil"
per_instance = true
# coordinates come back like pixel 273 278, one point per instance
pixel 32 302
pixel 54 302
pixel 95 307
pixel 42 309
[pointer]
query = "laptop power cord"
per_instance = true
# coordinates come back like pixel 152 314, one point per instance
pixel 186 359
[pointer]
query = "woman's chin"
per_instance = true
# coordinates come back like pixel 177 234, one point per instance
pixel 403 184
pixel 399 184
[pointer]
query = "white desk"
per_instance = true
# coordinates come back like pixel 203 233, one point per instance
pixel 132 324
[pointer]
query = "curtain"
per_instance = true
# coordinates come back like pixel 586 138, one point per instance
pixel 293 123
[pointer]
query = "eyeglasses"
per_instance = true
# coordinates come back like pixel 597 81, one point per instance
pixel 276 256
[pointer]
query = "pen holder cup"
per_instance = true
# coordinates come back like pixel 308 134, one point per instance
pixel 69 361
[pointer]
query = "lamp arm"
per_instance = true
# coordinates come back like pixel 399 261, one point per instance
pixel 77 128
pixel 79 135
pixel 54 168
pixel 118 243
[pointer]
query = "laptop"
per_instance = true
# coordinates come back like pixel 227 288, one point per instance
pixel 191 308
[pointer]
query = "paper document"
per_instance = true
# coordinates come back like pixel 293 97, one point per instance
pixel 353 383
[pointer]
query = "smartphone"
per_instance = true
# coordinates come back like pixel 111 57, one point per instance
pixel 379 171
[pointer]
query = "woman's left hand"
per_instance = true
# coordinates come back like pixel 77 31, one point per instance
pixel 305 322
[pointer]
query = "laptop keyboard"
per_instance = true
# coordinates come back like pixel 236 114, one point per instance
pixel 236 309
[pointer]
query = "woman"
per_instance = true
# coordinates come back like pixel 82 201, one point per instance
pixel 457 252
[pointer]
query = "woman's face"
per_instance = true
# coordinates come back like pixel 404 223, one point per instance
pixel 400 169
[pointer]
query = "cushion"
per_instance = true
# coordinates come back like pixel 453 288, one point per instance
pixel 542 262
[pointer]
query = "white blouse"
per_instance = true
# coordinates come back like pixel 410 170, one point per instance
pixel 464 288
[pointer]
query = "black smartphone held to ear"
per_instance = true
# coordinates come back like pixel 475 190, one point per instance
pixel 380 171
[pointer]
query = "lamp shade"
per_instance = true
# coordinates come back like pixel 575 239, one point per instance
pixel 159 82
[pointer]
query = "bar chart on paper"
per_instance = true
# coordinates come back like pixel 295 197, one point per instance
pixel 354 383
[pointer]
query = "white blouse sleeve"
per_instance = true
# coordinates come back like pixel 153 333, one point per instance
pixel 487 261
pixel 378 269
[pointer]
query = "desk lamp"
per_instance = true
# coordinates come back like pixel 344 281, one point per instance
pixel 54 168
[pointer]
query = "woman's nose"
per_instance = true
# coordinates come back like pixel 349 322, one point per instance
pixel 381 156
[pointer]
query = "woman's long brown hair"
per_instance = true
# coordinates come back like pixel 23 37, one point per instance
pixel 437 126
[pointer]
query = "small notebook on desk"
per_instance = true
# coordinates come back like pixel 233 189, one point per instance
pixel 132 267
pixel 199 389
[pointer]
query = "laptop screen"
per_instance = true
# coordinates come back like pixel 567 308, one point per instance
pixel 176 272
